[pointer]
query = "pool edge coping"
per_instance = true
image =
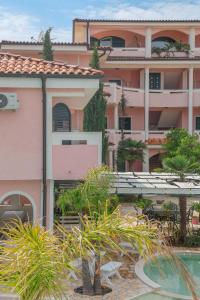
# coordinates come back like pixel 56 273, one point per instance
pixel 139 271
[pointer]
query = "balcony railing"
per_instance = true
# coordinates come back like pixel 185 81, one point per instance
pixel 116 135
pixel 157 98
pixel 155 137
pixel 140 53
pixel 128 52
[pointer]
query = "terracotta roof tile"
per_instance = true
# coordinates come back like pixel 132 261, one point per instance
pixel 139 20
pixel 32 43
pixel 12 64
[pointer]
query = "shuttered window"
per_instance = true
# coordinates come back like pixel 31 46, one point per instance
pixel 124 123
pixel 61 118
pixel 154 81
pixel 197 123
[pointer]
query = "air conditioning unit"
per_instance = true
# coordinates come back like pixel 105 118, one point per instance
pixel 8 101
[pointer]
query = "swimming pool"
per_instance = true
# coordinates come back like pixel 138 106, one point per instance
pixel 162 273
pixel 153 296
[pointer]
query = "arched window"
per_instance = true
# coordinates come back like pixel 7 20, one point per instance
pixel 112 41
pixel 61 118
pixel 161 42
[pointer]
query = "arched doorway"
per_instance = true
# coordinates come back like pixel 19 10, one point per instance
pixel 155 162
pixel 16 205
pixel 61 117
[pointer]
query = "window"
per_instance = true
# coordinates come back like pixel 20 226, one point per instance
pixel 94 42
pixel 124 123
pixel 117 81
pixel 197 123
pixel 112 41
pixel 61 118
pixel 106 123
pixel 74 142
pixel 154 81
pixel 106 42
pixel 162 42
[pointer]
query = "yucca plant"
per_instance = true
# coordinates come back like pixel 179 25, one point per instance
pixel 33 263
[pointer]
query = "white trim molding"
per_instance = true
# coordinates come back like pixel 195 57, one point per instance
pixel 51 205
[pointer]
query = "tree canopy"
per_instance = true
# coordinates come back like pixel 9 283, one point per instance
pixel 180 142
pixel 129 150
pixel 47 46
pixel 95 110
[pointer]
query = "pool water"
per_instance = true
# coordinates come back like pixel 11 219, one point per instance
pixel 165 273
pixel 152 296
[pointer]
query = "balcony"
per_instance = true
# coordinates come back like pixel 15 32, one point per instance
pixel 156 137
pixel 116 135
pixel 196 97
pixel 134 97
pixel 168 98
pixel 128 52
pixel 157 98
pixel 74 153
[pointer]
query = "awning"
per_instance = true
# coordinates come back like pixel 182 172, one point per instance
pixel 130 183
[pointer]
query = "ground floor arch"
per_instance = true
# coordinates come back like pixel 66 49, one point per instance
pixel 155 162
pixel 17 204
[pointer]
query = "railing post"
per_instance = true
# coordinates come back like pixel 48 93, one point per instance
pixel 148 35
pixel 192 40
pixel 146 104
pixel 190 101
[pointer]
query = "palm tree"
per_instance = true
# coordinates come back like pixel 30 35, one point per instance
pixel 131 151
pixel 181 165
pixel 90 198
pixel 33 262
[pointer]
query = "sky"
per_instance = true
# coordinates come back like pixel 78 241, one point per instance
pixel 23 19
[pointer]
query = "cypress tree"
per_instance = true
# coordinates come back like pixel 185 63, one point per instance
pixel 95 110
pixel 47 46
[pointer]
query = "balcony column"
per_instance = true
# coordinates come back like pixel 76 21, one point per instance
pixel 192 40
pixel 116 117
pixel 146 103
pixel 190 101
pixel 148 36
pixel 145 166
pixel 115 160
pixel 110 159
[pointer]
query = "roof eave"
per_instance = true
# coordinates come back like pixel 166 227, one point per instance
pixel 34 75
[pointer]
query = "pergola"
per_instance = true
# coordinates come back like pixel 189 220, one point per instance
pixel 143 183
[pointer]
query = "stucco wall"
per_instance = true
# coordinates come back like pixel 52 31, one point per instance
pixel 21 137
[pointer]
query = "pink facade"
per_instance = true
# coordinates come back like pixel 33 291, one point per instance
pixel 21 134
pixel 73 162
pixel 68 152
pixel 162 91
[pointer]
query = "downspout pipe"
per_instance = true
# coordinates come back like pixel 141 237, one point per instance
pixel 44 152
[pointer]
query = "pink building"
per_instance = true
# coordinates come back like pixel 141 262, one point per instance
pixel 161 82
pixel 156 64
pixel 42 143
